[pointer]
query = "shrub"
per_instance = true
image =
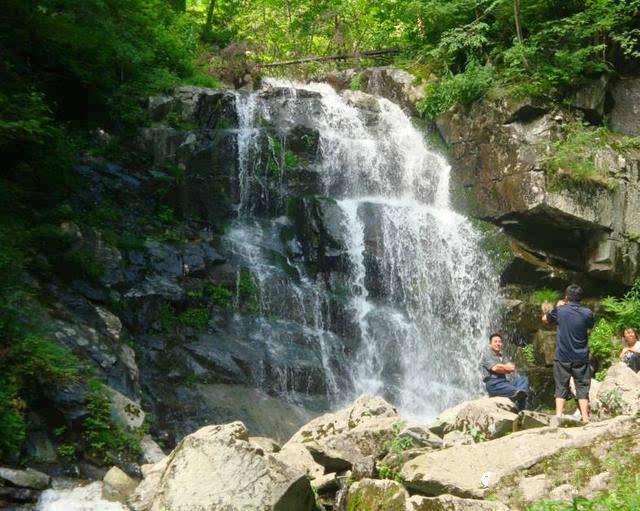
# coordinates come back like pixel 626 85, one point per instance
pixel 601 341
pixel 221 296
pixel 539 296
pixel 106 441
pixel 197 318
pixel 463 88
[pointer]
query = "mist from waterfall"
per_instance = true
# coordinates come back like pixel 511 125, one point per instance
pixel 420 290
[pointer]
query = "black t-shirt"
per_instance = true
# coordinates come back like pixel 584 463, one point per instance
pixel 573 321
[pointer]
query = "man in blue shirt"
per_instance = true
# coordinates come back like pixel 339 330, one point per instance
pixel 572 349
pixel 497 374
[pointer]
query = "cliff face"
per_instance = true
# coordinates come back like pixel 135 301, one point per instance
pixel 561 228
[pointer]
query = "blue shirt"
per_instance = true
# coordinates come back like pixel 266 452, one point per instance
pixel 573 322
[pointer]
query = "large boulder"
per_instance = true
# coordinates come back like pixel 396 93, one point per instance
pixel 490 417
pixel 217 468
pixel 117 486
pixel 471 471
pixel 28 478
pixel 619 392
pixel 351 438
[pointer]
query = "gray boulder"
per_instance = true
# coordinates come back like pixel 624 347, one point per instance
pixel 471 471
pixel 619 392
pixel 117 486
pixel 28 478
pixel 490 417
pixel 218 468
pixel 352 438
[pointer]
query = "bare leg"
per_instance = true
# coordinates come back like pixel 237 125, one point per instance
pixel 584 409
pixel 559 406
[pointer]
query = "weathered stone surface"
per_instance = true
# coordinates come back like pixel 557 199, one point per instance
pixel 456 437
pixel 394 84
pixel 534 488
pixel 377 495
pixel 491 416
pixel 625 115
pixel 468 471
pixel 218 466
pixel 264 443
pixel 598 482
pixel 117 486
pixel 619 392
pixel 351 438
pixel 421 436
pixel 528 419
pixel 544 344
pixel 298 456
pixel 142 497
pixel 124 411
pixel 151 451
pixel 452 503
pixel 591 99
pixel 564 493
pixel 28 478
pixel 563 234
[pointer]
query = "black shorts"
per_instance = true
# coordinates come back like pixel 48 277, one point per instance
pixel 581 372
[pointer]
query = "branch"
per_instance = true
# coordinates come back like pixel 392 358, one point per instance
pixel 345 56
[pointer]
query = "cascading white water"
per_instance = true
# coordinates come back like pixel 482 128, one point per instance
pixel 420 289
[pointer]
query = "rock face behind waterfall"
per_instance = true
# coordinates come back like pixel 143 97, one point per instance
pixel 560 233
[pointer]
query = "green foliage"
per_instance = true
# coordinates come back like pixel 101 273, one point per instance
pixel 464 88
pixel 195 317
pixel 398 443
pixel 477 435
pixel 67 452
pixel 12 428
pixel 625 496
pixel 356 82
pixel 625 311
pixel 528 354
pixel 601 341
pixel 388 472
pixel 574 154
pixel 106 441
pixel 167 317
pixel 220 295
pixel 539 296
pixel 247 289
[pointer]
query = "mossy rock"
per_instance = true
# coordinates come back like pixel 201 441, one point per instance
pixel 377 495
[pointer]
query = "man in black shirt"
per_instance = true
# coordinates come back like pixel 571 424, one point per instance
pixel 572 349
pixel 496 368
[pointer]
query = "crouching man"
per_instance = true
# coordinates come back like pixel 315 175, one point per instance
pixel 496 367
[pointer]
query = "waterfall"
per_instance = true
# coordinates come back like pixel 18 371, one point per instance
pixel 419 291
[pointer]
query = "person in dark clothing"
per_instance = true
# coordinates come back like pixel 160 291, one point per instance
pixel 630 354
pixel 572 349
pixel 496 368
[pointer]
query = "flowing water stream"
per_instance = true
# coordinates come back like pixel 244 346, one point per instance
pixel 419 287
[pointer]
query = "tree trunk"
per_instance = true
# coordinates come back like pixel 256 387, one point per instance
pixel 516 17
pixel 179 5
pixel 206 32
